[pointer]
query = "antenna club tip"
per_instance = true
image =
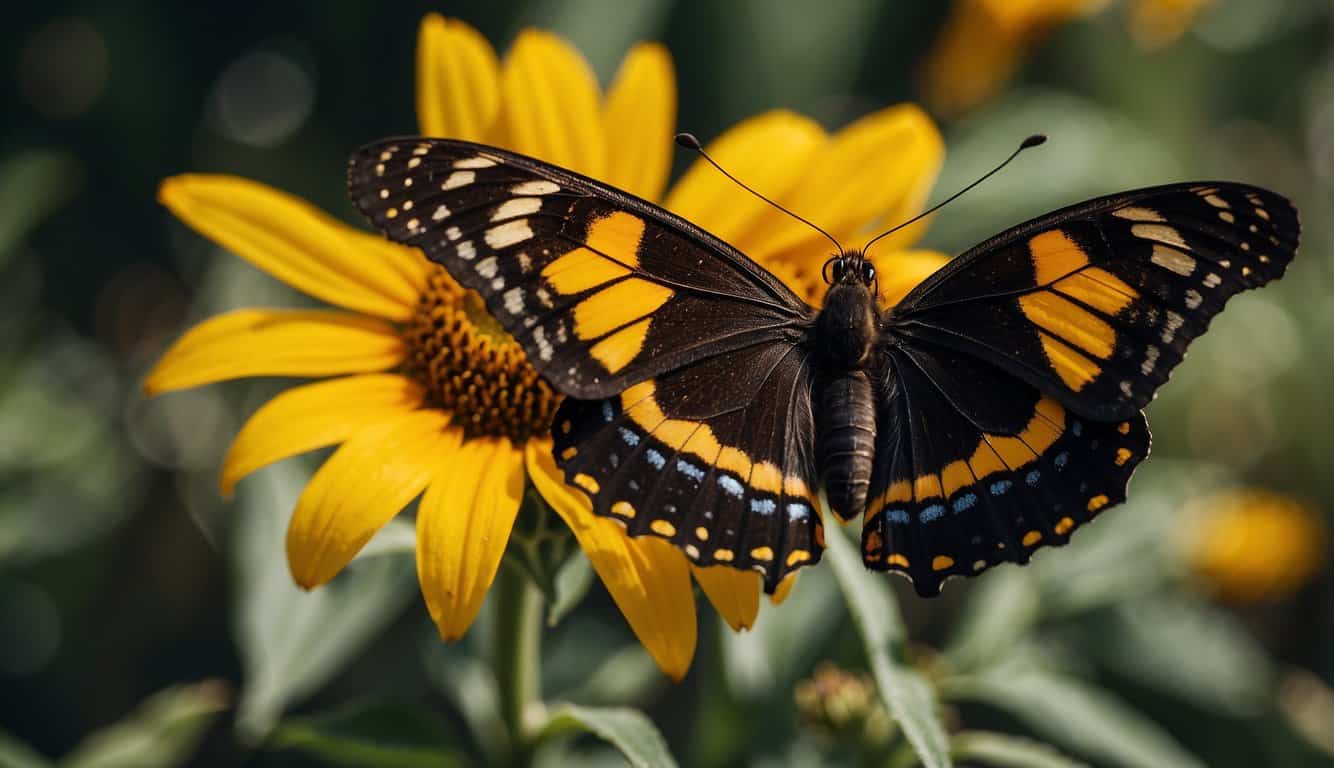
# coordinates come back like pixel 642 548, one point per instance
pixel 1036 140
pixel 688 141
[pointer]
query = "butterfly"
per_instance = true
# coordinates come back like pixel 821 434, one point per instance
pixel 990 412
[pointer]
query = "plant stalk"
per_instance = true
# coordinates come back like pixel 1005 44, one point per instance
pixel 517 661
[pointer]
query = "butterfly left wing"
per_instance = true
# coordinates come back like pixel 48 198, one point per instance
pixel 1095 304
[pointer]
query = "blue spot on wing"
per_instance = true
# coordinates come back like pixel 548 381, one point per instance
pixel 933 512
pixel 607 413
pixel 798 511
pixel 899 516
pixel 763 506
pixel 690 470
pixel 655 458
pixel 1062 459
pixel 631 439
pixel 1032 477
pixel 1000 487
pixel 965 501
pixel 731 486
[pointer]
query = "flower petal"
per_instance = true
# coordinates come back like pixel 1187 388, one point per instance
pixel 770 152
pixel 784 588
pixel 734 594
pixel 275 342
pixel 898 272
pixel 648 578
pixel 458 80
pixel 876 171
pixel 315 415
pixel 367 481
pixel 299 244
pixel 550 104
pixel 463 525
pixel 638 120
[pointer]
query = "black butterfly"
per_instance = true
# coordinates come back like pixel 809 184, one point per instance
pixel 991 412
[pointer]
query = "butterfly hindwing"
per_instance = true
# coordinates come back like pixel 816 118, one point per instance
pixel 601 289
pixel 717 458
pixel 976 467
pixel 1095 304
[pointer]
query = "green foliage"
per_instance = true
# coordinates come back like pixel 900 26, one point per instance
pixel 629 730
pixel 382 735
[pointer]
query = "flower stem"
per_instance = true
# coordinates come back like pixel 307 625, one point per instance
pixel 517 661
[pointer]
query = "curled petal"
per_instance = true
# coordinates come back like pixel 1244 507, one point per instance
pixel 315 415
pixel 770 152
pixel 647 577
pixel 734 594
pixel 275 342
pixel 458 80
pixel 463 525
pixel 551 104
pixel 898 272
pixel 638 119
pixel 367 481
pixel 299 244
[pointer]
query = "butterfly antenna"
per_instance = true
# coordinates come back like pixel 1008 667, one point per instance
pixel 1035 140
pixel 689 141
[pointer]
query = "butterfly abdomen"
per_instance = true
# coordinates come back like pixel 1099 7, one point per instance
pixel 846 442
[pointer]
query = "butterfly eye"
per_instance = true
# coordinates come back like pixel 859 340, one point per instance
pixel 832 271
pixel 868 272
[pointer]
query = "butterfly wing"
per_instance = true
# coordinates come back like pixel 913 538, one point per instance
pixel 716 458
pixel 1095 304
pixel 1015 375
pixel 603 290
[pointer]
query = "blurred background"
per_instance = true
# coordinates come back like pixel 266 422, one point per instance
pixel 1194 626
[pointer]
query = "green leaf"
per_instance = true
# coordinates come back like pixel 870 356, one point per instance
pixel 163 731
pixel 1187 648
pixel 629 730
pixel 470 686
pixel 909 696
pixel 293 641
pixel 998 611
pixel 572 583
pixel 382 735
pixel 33 185
pixel 1076 715
pixel 1005 751
pixel 16 754
pixel 627 675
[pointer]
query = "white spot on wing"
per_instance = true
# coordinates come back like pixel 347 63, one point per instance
pixel 487 267
pixel 1138 214
pixel 466 250
pixel 1212 280
pixel 474 162
pixel 514 301
pixel 516 206
pixel 1173 260
pixel 453 233
pixel 539 187
pixel 1193 299
pixel 509 233
pixel 1160 233
pixel 441 213
pixel 458 179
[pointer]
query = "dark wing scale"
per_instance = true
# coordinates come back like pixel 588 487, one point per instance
pixel 1096 303
pixel 716 458
pixel 976 468
pixel 602 289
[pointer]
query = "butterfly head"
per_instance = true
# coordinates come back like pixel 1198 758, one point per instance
pixel 849 267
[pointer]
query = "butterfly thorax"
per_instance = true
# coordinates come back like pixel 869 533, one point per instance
pixel 846 327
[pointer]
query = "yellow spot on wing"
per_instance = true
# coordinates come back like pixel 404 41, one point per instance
pixel 899 490
pixel 1098 502
pixel 897 559
pixel 1055 255
pixel 723 555
pixel 1063 526
pixel 954 476
pixel 617 350
pixel 623 509
pixel 1099 289
pixel 1070 322
pixel 1073 368
pixel 1122 456
pixel 797 556
pixel 581 269
pixel 586 482
pixel 926 487
pixel 619 304
pixel 569 453
pixel 941 562
pixel 762 553
pixel 1031 538
pixel 702 533
pixel 663 528
pixel 617 235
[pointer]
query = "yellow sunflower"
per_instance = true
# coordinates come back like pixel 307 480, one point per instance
pixel 983 42
pixel 422 391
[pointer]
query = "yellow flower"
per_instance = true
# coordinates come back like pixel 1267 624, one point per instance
pixel 1253 545
pixel 983 42
pixel 430 398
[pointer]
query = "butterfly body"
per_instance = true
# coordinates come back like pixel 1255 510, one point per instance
pixel 989 413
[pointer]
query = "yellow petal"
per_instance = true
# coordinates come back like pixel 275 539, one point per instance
pixel 875 173
pixel 647 577
pixel 770 152
pixel 458 80
pixel 299 244
pixel 638 120
pixel 550 104
pixel 463 525
pixel 315 415
pixel 898 272
pixel 734 594
pixel 276 342
pixel 784 588
pixel 367 481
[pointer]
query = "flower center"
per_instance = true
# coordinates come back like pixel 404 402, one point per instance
pixel 472 368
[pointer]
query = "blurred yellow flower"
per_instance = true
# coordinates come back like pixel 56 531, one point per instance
pixel 430 398
pixel 1250 545
pixel 983 42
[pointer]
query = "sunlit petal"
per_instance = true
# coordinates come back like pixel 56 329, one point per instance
pixel 275 342
pixel 898 272
pixel 648 578
pixel 876 171
pixel 551 104
pixel 458 80
pixel 463 524
pixel 638 120
pixel 770 152
pixel 367 481
pixel 734 594
pixel 784 588
pixel 297 243
pixel 315 415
